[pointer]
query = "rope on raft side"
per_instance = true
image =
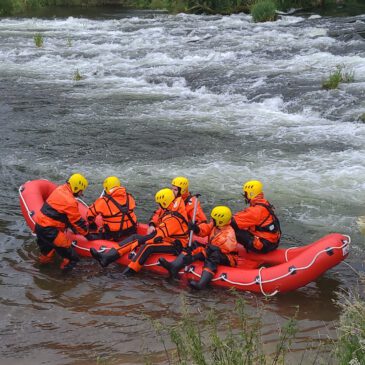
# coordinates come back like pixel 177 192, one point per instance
pixel 258 280
pixel 26 206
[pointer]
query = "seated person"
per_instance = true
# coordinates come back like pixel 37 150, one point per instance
pixel 170 235
pixel 180 187
pixel 116 207
pixel 257 227
pixel 220 250
pixel 59 212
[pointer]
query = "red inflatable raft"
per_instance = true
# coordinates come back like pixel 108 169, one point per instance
pixel 283 270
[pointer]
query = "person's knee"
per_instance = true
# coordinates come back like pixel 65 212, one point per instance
pixel 210 265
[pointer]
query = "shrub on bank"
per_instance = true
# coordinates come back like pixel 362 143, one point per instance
pixel 235 341
pixel 350 347
pixel 11 7
pixel 263 11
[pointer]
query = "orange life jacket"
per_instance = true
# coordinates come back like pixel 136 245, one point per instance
pixel 116 209
pixel 189 201
pixel 61 210
pixel 173 223
pixel 222 237
pixel 260 220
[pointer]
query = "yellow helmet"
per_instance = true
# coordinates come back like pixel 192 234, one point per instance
pixel 110 182
pixel 252 188
pixel 182 183
pixel 77 183
pixel 164 197
pixel 222 215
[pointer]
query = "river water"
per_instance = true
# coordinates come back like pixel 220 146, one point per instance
pixel 218 99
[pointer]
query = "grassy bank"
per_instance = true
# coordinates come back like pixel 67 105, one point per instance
pixel 236 338
pixel 13 7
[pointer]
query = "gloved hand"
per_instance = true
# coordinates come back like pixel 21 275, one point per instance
pixel 93 236
pixel 93 226
pixel 178 246
pixel 157 239
pixel 212 248
pixel 193 227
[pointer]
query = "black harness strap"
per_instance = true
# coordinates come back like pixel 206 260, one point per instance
pixel 121 209
pixel 275 221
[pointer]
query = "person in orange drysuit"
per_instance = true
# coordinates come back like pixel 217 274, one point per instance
pixel 59 212
pixel 221 248
pixel 180 187
pixel 170 235
pixel 116 207
pixel 257 227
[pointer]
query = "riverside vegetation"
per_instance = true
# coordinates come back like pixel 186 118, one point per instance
pixel 261 10
pixel 237 339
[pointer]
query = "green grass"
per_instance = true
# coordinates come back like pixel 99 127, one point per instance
pixel 350 346
pixel 336 77
pixel 77 76
pixel 263 11
pixel 69 42
pixel 235 341
pixel 237 338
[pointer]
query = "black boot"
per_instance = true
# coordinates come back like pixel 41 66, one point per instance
pixel 70 258
pixel 67 264
pixel 205 279
pixel 128 271
pixel 106 258
pixel 175 266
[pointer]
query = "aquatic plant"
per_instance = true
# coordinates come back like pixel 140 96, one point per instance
pixel 77 76
pixel 237 341
pixel 336 77
pixel 263 11
pixel 38 40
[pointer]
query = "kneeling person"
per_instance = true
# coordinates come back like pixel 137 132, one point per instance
pixel 170 236
pixel 220 250
pixel 60 212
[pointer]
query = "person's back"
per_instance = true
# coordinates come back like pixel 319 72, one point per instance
pixel 116 207
pixel 59 212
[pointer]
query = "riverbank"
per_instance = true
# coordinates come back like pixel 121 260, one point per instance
pixel 342 7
